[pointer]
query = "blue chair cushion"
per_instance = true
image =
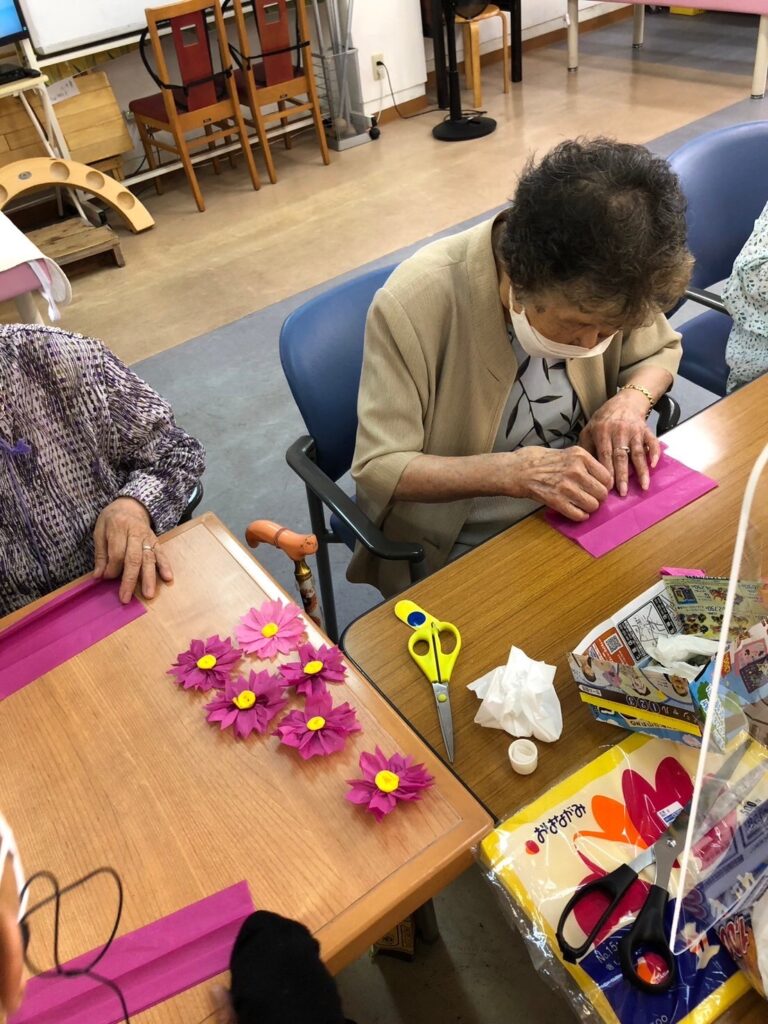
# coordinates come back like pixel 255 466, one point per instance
pixel 343 531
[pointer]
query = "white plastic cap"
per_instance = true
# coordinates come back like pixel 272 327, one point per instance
pixel 523 756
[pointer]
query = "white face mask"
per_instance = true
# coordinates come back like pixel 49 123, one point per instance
pixel 8 849
pixel 536 345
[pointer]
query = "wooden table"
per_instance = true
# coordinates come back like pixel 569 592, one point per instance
pixel 106 760
pixel 533 588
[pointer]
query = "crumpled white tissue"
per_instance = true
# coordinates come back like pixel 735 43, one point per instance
pixel 520 698
pixel 681 655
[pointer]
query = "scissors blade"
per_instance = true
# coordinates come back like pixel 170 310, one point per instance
pixel 444 716
pixel 669 846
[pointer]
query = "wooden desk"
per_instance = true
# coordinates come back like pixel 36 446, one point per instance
pixel 535 589
pixel 106 760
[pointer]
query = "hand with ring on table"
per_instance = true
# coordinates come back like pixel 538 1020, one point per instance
pixel 125 545
pixel 618 436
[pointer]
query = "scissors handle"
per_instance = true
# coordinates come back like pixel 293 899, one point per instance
pixel 648 936
pixel 436 665
pixel 613 886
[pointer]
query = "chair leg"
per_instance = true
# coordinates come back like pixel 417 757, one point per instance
pixel 317 117
pixel 317 520
pixel 760 71
pixel 181 146
pixel 146 142
pixel 477 85
pixel 261 131
pixel 573 35
pixel 284 122
pixel 242 132
pixel 212 146
pixel 467 54
pixel 505 50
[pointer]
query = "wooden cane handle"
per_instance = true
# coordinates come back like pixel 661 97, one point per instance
pixel 295 545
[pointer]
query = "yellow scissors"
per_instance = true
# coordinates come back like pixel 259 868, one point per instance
pixel 425 646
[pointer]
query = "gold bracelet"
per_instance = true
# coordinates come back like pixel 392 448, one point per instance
pixel 642 390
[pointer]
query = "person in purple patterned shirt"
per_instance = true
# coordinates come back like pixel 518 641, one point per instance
pixel 92 467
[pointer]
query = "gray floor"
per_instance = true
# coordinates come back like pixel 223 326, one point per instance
pixel 228 389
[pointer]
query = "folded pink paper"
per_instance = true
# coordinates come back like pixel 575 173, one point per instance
pixel 618 519
pixel 149 965
pixel 63 627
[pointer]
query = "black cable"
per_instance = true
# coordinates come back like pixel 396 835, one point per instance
pixel 419 113
pixel 405 117
pixel 87 971
pixel 55 897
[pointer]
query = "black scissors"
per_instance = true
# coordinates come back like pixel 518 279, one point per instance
pixel 648 935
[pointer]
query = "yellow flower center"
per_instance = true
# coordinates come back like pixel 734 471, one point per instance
pixel 244 700
pixel 313 667
pixel 387 781
pixel 316 723
pixel 206 662
pixel 270 629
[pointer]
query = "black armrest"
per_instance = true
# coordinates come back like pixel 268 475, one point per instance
pixel 194 499
pixel 705 298
pixel 299 458
pixel 669 414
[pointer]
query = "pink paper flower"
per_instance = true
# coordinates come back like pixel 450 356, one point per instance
pixel 316 667
pixel 247 704
pixel 272 628
pixel 206 665
pixel 387 780
pixel 319 728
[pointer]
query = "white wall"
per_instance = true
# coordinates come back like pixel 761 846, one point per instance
pixel 391 27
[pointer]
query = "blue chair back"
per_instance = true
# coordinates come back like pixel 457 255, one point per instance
pixel 704 339
pixel 321 351
pixel 724 175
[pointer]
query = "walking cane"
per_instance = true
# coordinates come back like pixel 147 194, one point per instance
pixel 297 546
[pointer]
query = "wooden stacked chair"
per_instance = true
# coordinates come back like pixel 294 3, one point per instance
pixel 204 101
pixel 278 74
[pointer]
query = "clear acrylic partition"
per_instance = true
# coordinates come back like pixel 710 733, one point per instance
pixel 724 866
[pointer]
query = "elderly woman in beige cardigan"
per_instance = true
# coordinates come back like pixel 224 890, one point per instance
pixel 513 365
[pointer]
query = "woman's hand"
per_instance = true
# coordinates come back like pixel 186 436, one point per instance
pixel 618 434
pixel 569 480
pixel 125 544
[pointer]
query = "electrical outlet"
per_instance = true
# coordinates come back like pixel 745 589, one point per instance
pixel 377 71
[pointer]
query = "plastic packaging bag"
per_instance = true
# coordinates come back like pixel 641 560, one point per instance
pixel 588 824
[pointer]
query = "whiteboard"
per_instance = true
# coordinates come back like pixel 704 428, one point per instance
pixel 59 25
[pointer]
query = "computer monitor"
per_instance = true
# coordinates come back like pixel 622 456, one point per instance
pixel 12 25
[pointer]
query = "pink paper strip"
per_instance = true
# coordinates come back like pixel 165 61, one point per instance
pixel 672 486
pixel 63 627
pixel 149 965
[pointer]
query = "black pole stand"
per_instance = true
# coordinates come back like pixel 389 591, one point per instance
pixel 458 127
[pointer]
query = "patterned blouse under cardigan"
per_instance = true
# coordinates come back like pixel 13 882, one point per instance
pixel 77 430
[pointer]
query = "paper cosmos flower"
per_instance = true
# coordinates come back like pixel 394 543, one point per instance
pixel 387 780
pixel 316 667
pixel 320 728
pixel 272 628
pixel 206 665
pixel 247 704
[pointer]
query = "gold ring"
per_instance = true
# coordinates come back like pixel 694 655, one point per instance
pixel 147 547
pixel 622 448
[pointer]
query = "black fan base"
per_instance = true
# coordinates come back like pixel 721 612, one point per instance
pixel 464 128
